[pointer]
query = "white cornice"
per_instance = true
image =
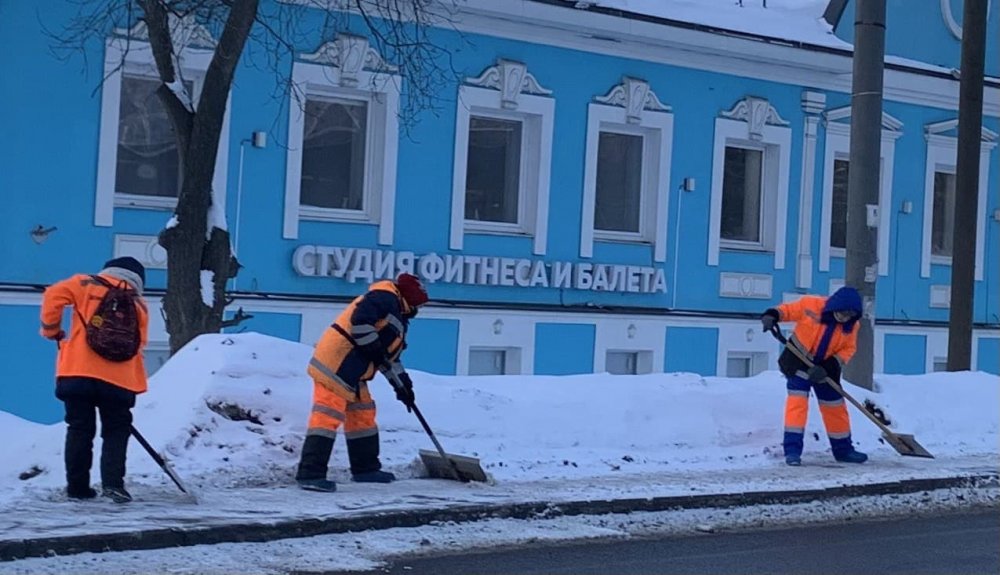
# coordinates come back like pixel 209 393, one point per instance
pixel 635 96
pixel 823 68
pixel 184 32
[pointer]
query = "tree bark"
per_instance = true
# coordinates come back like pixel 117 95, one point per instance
pixel 192 247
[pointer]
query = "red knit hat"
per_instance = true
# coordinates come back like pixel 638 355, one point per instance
pixel 412 290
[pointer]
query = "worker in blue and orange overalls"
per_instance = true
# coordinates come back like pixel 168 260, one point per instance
pixel 368 336
pixel 825 331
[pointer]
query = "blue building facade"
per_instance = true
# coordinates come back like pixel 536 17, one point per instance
pixel 601 191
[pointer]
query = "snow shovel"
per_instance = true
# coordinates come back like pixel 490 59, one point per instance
pixel 162 463
pixel 903 444
pixel 441 465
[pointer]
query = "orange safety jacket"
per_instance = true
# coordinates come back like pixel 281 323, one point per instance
pixel 75 357
pixel 807 313
pixel 340 366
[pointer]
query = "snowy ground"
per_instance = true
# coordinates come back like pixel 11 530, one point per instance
pixel 229 411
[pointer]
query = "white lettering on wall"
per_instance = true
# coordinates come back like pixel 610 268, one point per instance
pixel 367 265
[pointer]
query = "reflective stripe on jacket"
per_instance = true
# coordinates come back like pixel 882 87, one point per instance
pixel 809 329
pixel 379 313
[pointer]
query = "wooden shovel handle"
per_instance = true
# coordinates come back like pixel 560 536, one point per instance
pixel 829 381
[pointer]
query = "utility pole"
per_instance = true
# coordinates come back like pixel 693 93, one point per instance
pixel 970 125
pixel 863 178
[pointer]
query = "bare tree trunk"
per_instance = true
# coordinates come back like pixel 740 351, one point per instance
pixel 193 249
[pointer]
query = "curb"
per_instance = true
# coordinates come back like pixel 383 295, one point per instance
pixel 13 549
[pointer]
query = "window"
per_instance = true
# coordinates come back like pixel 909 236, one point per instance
pixel 838 218
pixel 343 133
pixel 503 155
pixel 742 195
pixel 147 159
pixel 836 174
pixel 333 154
pixel 622 362
pixel 494 360
pixel 940 193
pixel 493 179
pixel 627 169
pixel 940 364
pixel 750 166
pixel 138 163
pixel 619 183
pixel 487 361
pixel 154 356
pixel 745 364
pixel 943 226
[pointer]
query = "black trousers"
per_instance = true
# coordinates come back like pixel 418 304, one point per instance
pixel 83 398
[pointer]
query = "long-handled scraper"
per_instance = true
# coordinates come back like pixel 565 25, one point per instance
pixel 441 465
pixel 903 444
pixel 162 463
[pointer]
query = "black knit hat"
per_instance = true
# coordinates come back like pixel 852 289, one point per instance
pixel 128 263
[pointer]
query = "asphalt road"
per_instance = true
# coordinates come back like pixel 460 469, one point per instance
pixel 967 543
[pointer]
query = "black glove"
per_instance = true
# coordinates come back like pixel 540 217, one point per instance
pixel 373 352
pixel 404 390
pixel 816 374
pixel 769 318
pixel 57 337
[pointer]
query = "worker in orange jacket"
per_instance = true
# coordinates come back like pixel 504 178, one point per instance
pixel 99 368
pixel 368 336
pixel 825 331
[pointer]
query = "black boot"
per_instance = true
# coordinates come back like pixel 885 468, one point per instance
pixel 315 458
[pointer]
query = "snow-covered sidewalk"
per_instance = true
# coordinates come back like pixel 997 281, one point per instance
pixel 229 412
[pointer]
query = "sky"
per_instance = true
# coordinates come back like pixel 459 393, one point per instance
pixel 540 438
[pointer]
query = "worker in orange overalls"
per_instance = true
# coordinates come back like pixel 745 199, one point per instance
pixel 99 368
pixel 369 335
pixel 825 331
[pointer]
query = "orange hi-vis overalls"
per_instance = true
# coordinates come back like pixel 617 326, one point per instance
pixel 341 374
pixel 819 340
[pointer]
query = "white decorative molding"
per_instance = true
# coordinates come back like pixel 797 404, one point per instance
pixel 635 96
pixel 631 108
pixel 351 55
pixel 512 79
pixel 347 69
pixel 891 126
pixel 146 249
pixel 813 104
pixel 185 33
pixel 939 130
pixel 733 129
pixel 757 113
pixel 838 146
pixel 835 284
pixel 748 286
pixel 940 296
pixel 942 156
pixel 949 18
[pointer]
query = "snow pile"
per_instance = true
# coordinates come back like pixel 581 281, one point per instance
pixel 231 410
pixel 794 20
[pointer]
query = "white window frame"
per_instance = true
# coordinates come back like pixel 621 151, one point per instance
pixel 508 92
pixel 347 69
pixel 758 361
pixel 838 147
pixel 511 358
pixel 130 54
pixel 753 123
pixel 942 156
pixel 631 108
